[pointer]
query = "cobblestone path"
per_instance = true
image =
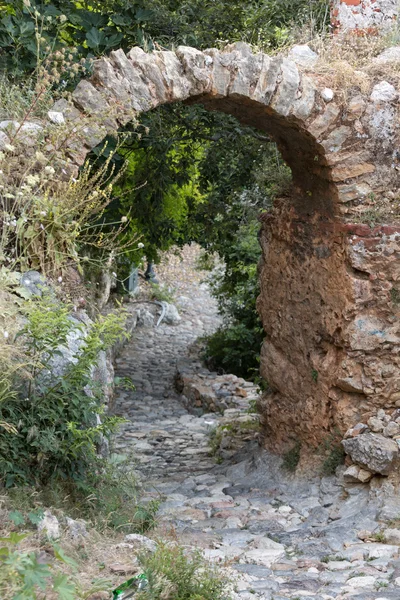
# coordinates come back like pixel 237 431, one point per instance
pixel 282 537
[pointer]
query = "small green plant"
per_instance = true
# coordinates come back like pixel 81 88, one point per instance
pixel 21 520
pixel 109 498
pixel 23 576
pixel 252 409
pixel 216 436
pixel 395 296
pixel 333 460
pixel 292 458
pixel 330 557
pixel 379 536
pixel 175 575
pixel 325 559
pixel 161 294
pixel 333 452
pixel 314 375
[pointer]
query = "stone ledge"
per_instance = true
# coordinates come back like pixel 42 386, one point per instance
pixel 204 391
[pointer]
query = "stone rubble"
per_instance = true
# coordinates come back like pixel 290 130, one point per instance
pixel 280 537
pixel 374 446
pixel 203 391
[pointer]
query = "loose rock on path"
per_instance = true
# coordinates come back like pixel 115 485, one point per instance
pixel 282 537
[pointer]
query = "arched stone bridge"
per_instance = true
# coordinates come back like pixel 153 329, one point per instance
pixel 330 284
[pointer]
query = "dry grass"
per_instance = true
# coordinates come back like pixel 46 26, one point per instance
pixel 347 61
pixel 374 211
pixel 96 555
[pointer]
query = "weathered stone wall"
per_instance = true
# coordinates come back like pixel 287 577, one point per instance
pixel 364 15
pixel 329 285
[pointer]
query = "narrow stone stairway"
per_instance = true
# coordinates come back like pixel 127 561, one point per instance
pixel 279 537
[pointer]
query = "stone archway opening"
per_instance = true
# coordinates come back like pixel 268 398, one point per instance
pixel 330 339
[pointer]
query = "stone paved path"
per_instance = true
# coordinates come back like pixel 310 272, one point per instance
pixel 282 537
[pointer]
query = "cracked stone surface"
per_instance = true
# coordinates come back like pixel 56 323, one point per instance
pixel 281 537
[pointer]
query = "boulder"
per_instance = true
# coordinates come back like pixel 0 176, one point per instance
pixel 76 529
pixel 383 92
pixel 327 94
pixel 34 283
pixel 375 424
pixel 390 55
pixel 392 536
pixel 373 452
pixel 356 430
pixel 392 429
pixel 146 318
pixel 303 55
pixel 49 525
pixel 171 316
pixel 355 474
pixel 141 542
pixel 56 117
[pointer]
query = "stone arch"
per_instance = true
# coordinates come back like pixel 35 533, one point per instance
pixel 331 351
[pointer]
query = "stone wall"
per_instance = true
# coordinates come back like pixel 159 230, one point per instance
pixel 364 15
pixel 329 284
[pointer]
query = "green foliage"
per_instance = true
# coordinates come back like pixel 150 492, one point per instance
pixel 292 458
pixel 16 99
pixel 54 417
pixel 172 574
pixel 334 459
pixel 234 349
pixel 333 452
pixel 395 296
pixel 23 576
pixel 32 518
pixel 108 498
pixel 161 294
pixel 29 29
pixel 216 436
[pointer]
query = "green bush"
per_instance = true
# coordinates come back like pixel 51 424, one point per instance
pixel 54 432
pixel 234 349
pixel 235 346
pixel 174 575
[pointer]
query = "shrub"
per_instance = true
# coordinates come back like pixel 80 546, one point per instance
pixel 55 432
pixel 333 452
pixel 234 348
pixel 292 458
pixel 174 575
pixel 334 459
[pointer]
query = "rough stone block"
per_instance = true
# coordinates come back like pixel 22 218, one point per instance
pixel 287 89
pixel 373 451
